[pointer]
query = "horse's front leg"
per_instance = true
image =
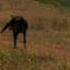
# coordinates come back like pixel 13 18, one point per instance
pixel 24 37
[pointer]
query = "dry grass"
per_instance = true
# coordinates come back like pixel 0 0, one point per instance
pixel 41 53
pixel 48 45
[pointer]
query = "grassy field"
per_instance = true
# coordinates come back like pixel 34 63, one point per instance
pixel 48 38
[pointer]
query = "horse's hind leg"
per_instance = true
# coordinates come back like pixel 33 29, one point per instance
pixel 15 39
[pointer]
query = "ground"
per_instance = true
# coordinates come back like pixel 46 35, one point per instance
pixel 47 48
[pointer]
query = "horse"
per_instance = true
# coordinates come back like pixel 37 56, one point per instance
pixel 17 25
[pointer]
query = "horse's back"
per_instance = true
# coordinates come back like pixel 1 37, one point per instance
pixel 20 24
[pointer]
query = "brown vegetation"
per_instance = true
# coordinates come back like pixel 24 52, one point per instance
pixel 48 38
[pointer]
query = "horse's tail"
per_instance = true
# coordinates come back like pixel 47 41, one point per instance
pixel 5 27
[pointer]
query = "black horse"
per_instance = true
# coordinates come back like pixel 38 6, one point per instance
pixel 17 25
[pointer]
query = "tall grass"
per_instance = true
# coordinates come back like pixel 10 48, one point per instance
pixel 19 60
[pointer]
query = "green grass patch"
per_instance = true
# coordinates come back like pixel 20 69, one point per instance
pixel 61 2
